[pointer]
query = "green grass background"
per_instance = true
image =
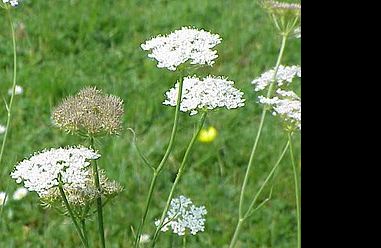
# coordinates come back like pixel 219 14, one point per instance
pixel 66 45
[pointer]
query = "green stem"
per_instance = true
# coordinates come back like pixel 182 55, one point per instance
pixel 284 38
pixel 259 132
pixel 296 189
pixel 84 231
pixel 9 106
pixel 178 177
pixel 251 208
pixel 67 205
pixel 236 233
pixel 252 204
pixel 161 164
pixel 184 241
pixel 99 199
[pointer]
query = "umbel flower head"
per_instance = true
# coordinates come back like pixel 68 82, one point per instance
pixel 284 76
pixel 287 105
pixel 282 8
pixel 183 215
pixel 182 45
pixel 45 170
pixel 208 93
pixel 13 3
pixel 285 15
pixel 89 113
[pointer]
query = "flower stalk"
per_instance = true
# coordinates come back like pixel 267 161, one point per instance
pixel 241 213
pixel 251 209
pixel 99 199
pixel 72 216
pixel 161 164
pixel 297 190
pixel 10 104
pixel 179 175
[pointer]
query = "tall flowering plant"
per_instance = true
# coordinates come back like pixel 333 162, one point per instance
pixel 70 178
pixel 282 102
pixel 181 49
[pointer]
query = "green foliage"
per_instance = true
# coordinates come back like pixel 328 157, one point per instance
pixel 66 45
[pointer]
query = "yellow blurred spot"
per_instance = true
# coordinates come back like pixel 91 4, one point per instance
pixel 207 135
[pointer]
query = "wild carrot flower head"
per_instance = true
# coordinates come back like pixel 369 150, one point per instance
pixel 208 93
pixel 90 112
pixel 287 105
pixel 284 76
pixel 284 103
pixel 183 215
pixel 182 45
pixel 45 170
pixel 13 3
pixel 286 16
pixel 282 8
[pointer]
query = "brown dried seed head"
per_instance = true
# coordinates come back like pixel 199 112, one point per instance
pixel 90 112
pixel 282 8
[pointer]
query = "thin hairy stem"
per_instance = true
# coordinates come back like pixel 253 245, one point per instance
pixel 72 216
pixel 264 112
pixel 10 104
pixel 84 231
pixel 99 199
pixel 161 164
pixel 178 177
pixel 296 181
pixel 259 132
pixel 184 241
pixel 251 209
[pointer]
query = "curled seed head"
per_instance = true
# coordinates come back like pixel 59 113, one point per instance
pixel 282 8
pixel 90 112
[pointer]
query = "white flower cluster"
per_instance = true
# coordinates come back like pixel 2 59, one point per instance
pixel 13 3
pixel 184 215
pixel 182 45
pixel 2 129
pixel 284 75
pixel 285 104
pixel 3 198
pixel 208 93
pixel 41 172
pixel 18 90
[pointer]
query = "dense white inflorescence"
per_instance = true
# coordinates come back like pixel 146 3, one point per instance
pixel 208 93
pixel 182 45
pixel 13 3
pixel 285 104
pixel 41 171
pixel 183 215
pixel 285 75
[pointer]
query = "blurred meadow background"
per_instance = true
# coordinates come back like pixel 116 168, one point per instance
pixel 64 45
